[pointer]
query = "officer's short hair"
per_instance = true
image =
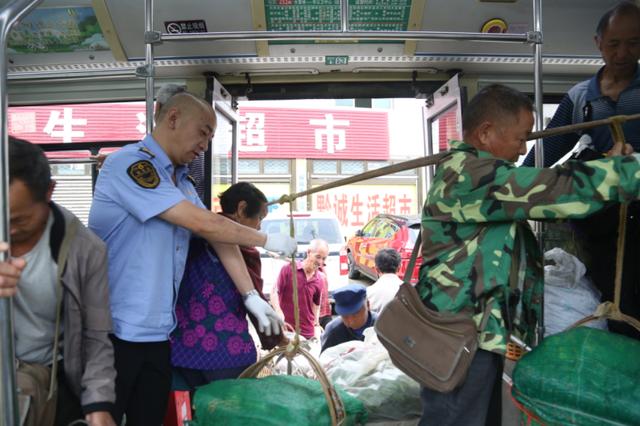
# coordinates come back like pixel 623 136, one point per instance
pixel 493 103
pixel 242 191
pixel 387 261
pixel 185 101
pixel 622 8
pixel 28 163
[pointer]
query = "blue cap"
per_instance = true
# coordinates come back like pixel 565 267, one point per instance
pixel 350 298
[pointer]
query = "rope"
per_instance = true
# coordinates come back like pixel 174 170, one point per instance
pixel 294 274
pixel 293 348
pixel 336 407
pixel 617 134
pixel 611 310
pixel 433 159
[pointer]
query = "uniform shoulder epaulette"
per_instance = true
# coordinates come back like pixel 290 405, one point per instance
pixel 147 151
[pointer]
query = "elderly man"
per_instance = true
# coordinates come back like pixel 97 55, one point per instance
pixel 65 266
pixel 146 208
pixel 311 285
pixel 478 250
pixel 385 288
pixel 614 90
pixel 355 316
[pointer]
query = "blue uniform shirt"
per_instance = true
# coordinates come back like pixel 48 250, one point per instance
pixel 147 255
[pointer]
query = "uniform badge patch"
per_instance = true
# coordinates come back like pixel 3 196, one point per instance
pixel 144 174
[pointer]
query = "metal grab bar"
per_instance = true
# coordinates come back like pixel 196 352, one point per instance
pixel 9 15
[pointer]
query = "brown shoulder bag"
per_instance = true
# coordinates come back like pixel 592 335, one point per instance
pixel 433 348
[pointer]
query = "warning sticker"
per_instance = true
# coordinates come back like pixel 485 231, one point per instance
pixel 185 27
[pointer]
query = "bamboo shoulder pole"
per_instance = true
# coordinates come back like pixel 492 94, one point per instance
pixel 433 159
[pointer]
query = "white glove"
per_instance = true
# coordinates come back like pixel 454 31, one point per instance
pixel 268 320
pixel 281 243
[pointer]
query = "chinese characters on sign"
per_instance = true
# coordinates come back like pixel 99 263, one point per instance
pixel 263 132
pixel 334 137
pixel 355 205
pixel 252 132
pixel 78 122
pixel 339 133
pixel 66 124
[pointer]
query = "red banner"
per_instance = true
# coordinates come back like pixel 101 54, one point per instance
pixel 313 133
pixel 264 132
pixel 78 122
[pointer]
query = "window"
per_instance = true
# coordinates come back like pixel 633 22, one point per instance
pixel 369 229
pixel 250 167
pixel 276 167
pixel 345 102
pixel 306 229
pixel 372 165
pixel 351 167
pixel 386 230
pixel 325 167
pixel 381 103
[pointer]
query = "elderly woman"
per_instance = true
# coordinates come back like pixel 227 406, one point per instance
pixel 212 341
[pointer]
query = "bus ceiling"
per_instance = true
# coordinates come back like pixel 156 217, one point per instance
pixel 283 49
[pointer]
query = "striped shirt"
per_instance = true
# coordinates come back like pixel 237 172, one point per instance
pixel 585 102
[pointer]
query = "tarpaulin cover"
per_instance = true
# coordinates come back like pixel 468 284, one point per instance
pixel 581 377
pixel 272 400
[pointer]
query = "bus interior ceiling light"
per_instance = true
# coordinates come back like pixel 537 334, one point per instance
pixel 426 70
pixel 277 71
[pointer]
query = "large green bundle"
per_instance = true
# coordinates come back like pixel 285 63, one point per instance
pixel 273 400
pixel 581 377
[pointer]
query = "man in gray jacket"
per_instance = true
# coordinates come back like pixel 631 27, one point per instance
pixel 66 265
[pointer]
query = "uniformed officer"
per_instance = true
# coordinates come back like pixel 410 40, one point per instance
pixel 145 208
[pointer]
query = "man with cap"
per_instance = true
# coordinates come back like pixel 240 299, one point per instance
pixel 353 308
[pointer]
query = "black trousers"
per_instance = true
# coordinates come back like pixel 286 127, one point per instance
pixel 468 404
pixel 68 407
pixel 143 382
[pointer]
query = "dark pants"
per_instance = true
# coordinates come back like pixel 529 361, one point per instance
pixel 468 404
pixel 143 382
pixel 68 407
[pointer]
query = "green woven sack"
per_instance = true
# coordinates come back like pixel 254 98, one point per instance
pixel 272 400
pixel 581 377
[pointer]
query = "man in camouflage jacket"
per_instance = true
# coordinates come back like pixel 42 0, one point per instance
pixel 477 243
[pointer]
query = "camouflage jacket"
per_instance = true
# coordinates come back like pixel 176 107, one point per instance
pixel 476 238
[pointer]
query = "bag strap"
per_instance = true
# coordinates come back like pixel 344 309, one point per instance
pixel 408 273
pixel 62 261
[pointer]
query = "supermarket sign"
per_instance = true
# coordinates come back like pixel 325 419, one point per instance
pixel 263 132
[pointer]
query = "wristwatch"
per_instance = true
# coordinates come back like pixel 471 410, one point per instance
pixel 252 292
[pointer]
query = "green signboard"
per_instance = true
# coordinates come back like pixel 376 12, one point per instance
pixel 324 15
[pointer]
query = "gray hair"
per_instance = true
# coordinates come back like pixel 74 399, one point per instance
pixel 316 244
pixel 165 93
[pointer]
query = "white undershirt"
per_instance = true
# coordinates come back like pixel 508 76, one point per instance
pixel 35 303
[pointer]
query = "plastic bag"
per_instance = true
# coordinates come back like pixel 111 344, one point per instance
pixel 567 270
pixel 364 370
pixel 569 295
